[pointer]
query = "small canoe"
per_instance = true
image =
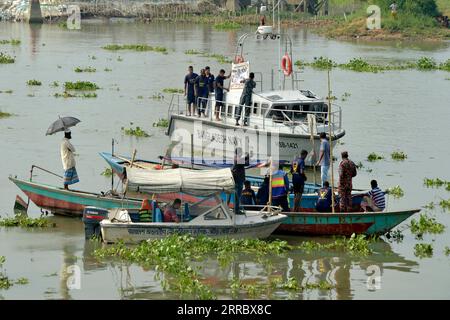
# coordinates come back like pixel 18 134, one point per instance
pixel 70 202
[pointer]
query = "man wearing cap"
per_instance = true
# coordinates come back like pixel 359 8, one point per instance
pixel 68 160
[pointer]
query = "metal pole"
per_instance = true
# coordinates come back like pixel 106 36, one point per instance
pixel 331 144
pixel 192 151
pixel 112 175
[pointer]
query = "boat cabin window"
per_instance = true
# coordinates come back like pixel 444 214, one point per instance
pixel 216 214
pixel 264 107
pixel 276 113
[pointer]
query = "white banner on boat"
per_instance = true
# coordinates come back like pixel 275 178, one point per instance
pixel 239 72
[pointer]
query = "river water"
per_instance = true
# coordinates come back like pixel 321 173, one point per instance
pixel 401 110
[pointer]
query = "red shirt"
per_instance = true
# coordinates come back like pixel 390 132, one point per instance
pixel 170 215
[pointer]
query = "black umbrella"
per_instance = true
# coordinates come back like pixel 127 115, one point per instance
pixel 62 124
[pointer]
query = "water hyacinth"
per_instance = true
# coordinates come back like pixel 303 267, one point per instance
pixel 423 250
pixel 426 224
pixel 24 221
pixel 80 85
pixel 374 157
pixel 396 192
pixel 6 59
pixel 137 132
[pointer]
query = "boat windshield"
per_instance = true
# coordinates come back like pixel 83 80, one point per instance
pixel 206 204
pixel 296 112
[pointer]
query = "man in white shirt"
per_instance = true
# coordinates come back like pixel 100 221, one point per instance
pixel 68 160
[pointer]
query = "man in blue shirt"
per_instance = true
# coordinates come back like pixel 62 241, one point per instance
pixel 248 196
pixel 202 92
pixel 324 157
pixel 219 97
pixel 298 179
pixel 189 91
pixel 210 78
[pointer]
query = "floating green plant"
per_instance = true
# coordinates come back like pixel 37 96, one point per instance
pixel 54 84
pixel 374 157
pixel 107 70
pixel 193 51
pixel 86 69
pixel 22 281
pixel 135 47
pixel 356 244
pixel 5 114
pixel 396 192
pixel 426 224
pixel 396 235
pixel 429 206
pixel 137 132
pixel 445 66
pixel 227 25
pixel 398 155
pixel 345 96
pixel 322 63
pixel 219 57
pixel 14 42
pixel 5 281
pixel 174 254
pixel 80 85
pixel 107 172
pixel 157 96
pixel 24 221
pixel 436 183
pixel 161 123
pixel 423 250
pixel 445 204
pixel 447 251
pixel 65 94
pixel 34 82
pixel 360 65
pixel 172 90
pixel 9 91
pixel 426 63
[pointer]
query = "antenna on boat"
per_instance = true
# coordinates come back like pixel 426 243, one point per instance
pixel 331 144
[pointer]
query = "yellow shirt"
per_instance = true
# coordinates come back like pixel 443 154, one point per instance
pixel 67 157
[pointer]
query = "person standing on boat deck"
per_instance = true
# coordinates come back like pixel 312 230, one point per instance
pixel 201 92
pixel 298 179
pixel 189 91
pixel 262 196
pixel 218 85
pixel 238 171
pixel 170 212
pixel 280 189
pixel 374 200
pixel 210 78
pixel 347 170
pixel 68 160
pixel 246 100
pixel 324 157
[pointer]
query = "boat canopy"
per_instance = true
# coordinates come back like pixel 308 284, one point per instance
pixel 197 182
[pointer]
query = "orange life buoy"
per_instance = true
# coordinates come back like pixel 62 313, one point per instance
pixel 286 65
pixel 238 59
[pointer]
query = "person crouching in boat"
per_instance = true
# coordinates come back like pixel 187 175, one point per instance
pixel 374 200
pixel 324 201
pixel 68 160
pixel 170 213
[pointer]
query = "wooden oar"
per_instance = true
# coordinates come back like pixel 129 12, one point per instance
pixel 132 163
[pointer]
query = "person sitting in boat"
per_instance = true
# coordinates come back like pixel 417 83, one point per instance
pixel 170 212
pixel 248 196
pixel 68 160
pixel 246 100
pixel 374 200
pixel 324 201
pixel 262 196
pixel 280 189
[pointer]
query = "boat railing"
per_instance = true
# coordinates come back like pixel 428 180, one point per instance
pixel 271 119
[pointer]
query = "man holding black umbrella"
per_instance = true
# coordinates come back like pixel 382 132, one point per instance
pixel 68 160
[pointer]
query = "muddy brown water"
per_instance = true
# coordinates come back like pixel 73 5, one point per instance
pixel 401 110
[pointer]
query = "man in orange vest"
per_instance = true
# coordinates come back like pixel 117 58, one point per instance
pixel 280 189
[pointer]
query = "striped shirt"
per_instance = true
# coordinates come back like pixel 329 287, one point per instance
pixel 378 197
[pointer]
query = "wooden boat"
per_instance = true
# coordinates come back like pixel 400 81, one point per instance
pixel 70 202
pixel 212 218
pixel 319 224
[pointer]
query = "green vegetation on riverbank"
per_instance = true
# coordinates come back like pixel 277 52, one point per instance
pixel 415 19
